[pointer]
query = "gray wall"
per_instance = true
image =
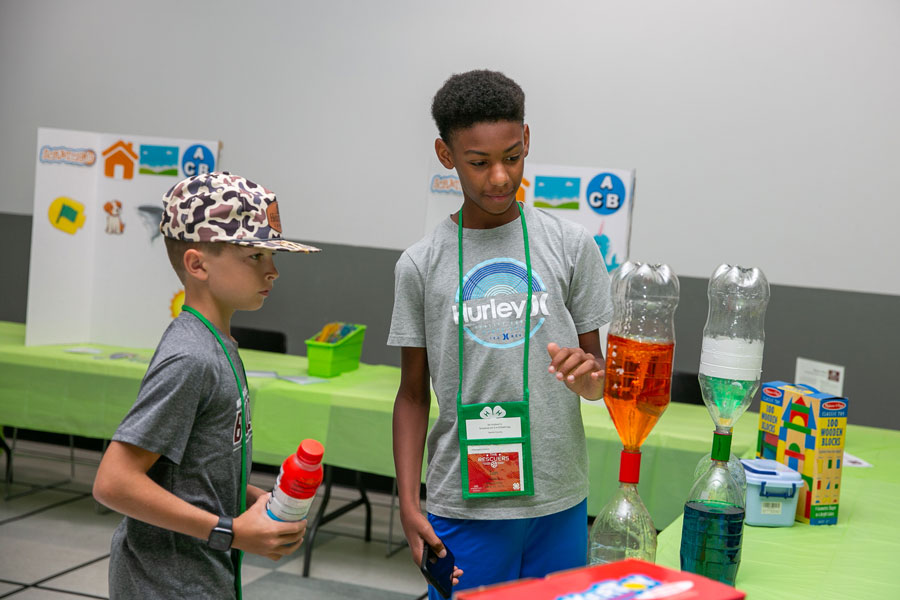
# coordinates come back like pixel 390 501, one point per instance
pixel 773 119
pixel 348 283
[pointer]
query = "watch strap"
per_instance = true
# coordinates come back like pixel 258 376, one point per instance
pixel 224 526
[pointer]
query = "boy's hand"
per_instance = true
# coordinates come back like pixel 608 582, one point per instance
pixel 258 533
pixel 418 531
pixel 579 370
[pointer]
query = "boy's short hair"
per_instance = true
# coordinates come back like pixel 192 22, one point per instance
pixel 176 249
pixel 476 97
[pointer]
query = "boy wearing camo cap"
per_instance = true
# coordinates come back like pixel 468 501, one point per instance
pixel 177 465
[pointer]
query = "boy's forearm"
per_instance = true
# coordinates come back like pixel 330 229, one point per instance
pixel 122 484
pixel 410 426
pixel 148 502
pixel 253 494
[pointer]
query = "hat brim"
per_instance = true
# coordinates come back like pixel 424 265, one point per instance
pixel 279 245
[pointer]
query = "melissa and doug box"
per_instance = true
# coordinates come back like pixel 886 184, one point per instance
pixel 804 429
pixel 629 579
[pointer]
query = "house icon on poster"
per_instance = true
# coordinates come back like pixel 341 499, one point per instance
pixel 122 155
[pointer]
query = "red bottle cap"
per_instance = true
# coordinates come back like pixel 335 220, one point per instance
pixel 310 451
pixel 629 467
pixel 301 472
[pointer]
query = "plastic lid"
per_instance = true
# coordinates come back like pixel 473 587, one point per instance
pixel 764 470
pixel 310 451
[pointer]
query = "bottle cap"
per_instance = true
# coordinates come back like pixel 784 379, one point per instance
pixel 310 451
pixel 629 467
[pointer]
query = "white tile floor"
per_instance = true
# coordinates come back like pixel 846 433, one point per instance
pixel 54 543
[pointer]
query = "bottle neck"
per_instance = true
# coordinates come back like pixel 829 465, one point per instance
pixel 721 449
pixel 309 466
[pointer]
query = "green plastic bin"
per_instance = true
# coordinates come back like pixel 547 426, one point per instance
pixel 330 360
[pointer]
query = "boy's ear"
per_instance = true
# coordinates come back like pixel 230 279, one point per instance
pixel 527 139
pixel 195 264
pixel 443 153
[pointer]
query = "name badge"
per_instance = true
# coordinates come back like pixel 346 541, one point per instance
pixel 496 468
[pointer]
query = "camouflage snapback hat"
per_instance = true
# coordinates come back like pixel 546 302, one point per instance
pixel 221 207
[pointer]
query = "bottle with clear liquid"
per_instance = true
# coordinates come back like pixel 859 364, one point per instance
pixel 639 352
pixel 623 528
pixel 297 482
pixel 713 527
pixel 733 340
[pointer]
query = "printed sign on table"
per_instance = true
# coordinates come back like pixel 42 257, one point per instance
pixel 99 271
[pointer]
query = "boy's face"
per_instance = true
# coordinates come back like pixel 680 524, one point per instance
pixel 489 159
pixel 240 277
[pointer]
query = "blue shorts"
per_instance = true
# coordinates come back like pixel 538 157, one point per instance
pixel 496 550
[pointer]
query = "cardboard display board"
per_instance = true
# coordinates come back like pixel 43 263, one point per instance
pixel 600 199
pixel 99 271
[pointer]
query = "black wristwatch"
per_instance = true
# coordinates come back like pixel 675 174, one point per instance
pixel 222 535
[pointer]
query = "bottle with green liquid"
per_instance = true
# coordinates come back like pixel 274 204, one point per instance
pixel 732 351
pixel 730 370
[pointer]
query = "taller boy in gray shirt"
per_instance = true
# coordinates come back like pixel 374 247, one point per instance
pixel 507 469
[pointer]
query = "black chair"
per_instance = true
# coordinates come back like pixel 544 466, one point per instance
pixel 686 388
pixel 260 339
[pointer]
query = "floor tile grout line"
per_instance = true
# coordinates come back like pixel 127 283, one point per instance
pixel 81 496
pixel 70 570
pixel 10 593
pixel 70 592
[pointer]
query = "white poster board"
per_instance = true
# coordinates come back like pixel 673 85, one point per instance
pixel 600 199
pixel 99 271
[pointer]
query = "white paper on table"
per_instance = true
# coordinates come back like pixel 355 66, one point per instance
pixel 301 379
pixel 854 461
pixel 268 374
pixel 825 377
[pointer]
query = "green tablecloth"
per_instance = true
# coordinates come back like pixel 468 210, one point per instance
pixel 853 559
pixel 46 388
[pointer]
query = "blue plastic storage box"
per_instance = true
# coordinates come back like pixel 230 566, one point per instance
pixel 772 492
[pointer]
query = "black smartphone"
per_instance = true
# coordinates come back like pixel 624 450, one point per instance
pixel 438 571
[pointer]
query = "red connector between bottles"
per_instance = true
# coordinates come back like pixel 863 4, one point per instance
pixel 629 467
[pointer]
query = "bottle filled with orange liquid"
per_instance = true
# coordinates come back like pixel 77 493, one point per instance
pixel 639 351
pixel 638 382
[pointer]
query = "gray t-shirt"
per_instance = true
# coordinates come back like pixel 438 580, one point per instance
pixel 570 296
pixel 188 411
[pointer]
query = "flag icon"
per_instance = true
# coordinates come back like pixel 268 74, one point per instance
pixel 66 214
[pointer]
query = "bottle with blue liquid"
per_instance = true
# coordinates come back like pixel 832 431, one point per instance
pixel 713 527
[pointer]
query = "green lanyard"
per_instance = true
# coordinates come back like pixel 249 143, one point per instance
pixel 527 308
pixel 240 386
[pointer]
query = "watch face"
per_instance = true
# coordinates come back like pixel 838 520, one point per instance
pixel 220 539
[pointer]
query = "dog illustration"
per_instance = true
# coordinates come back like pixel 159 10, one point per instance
pixel 114 222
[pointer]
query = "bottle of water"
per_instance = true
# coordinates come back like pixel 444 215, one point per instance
pixel 623 528
pixel 713 528
pixel 297 482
